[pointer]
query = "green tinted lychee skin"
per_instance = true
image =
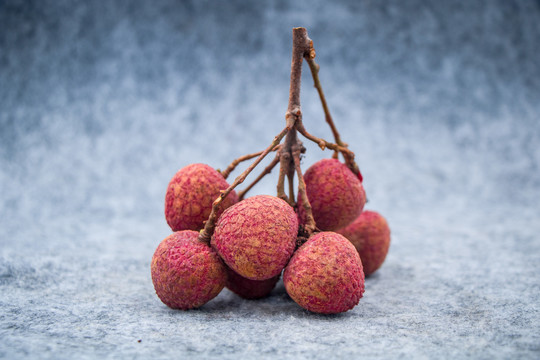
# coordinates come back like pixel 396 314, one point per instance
pixel 186 272
pixel 190 194
pixel 336 195
pixel 256 237
pixel 370 235
pixel 250 289
pixel 325 274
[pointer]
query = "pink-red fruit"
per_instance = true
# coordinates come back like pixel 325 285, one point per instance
pixel 190 194
pixel 256 237
pixel 370 235
pixel 325 274
pixel 336 195
pixel 186 272
pixel 249 289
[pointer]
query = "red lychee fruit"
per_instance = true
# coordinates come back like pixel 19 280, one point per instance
pixel 190 194
pixel 186 272
pixel 250 289
pixel 336 195
pixel 256 237
pixel 325 274
pixel 370 235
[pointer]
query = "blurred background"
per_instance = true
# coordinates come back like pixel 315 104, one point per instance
pixel 102 102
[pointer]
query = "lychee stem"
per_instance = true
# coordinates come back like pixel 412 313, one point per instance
pixel 291 188
pixel 206 233
pixel 309 226
pixel 347 155
pixel 267 170
pixel 237 161
pixel 302 47
pixel 286 166
pixel 314 67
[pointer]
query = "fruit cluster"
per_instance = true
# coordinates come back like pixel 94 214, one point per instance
pixel 322 243
pixel 255 240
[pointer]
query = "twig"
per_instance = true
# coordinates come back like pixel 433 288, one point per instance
pixel 291 188
pixel 323 144
pixel 267 170
pixel 208 231
pixel 347 155
pixel 314 67
pixel 235 162
pixel 284 161
pixel 309 226
pixel 302 46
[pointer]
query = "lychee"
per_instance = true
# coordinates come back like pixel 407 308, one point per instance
pixel 186 272
pixel 190 194
pixel 336 195
pixel 370 235
pixel 256 237
pixel 325 274
pixel 250 289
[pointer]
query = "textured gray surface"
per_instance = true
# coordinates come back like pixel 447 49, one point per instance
pixel 101 102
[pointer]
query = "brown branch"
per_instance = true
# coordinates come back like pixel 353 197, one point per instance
pixel 206 233
pixel 290 178
pixel 310 225
pixel 235 162
pixel 302 46
pixel 267 170
pixel 314 67
pixel 323 144
pixel 347 154
pixel 284 161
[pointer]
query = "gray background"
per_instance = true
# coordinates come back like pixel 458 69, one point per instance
pixel 101 102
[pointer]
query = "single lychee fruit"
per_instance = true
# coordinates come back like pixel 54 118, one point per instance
pixel 325 274
pixel 250 289
pixel 370 235
pixel 190 194
pixel 256 237
pixel 336 195
pixel 186 272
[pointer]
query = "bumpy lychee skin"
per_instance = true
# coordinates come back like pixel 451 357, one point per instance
pixel 336 195
pixel 250 289
pixel 190 194
pixel 370 235
pixel 256 237
pixel 325 274
pixel 186 272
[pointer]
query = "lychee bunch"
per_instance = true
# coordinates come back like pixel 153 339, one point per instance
pixel 256 237
pixel 335 193
pixel 186 272
pixel 247 244
pixel 325 274
pixel 370 235
pixel 190 194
